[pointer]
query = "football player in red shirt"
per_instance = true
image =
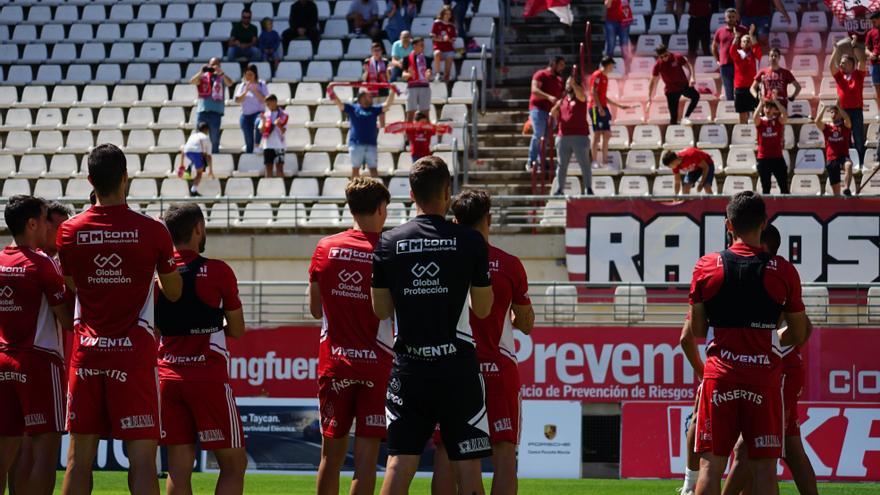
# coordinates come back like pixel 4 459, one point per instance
pixel 110 256
pixel 354 359
pixel 837 139
pixel 737 297
pixel 196 398
pixel 32 296
pixel 511 309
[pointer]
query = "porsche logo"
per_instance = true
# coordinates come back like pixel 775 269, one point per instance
pixel 550 432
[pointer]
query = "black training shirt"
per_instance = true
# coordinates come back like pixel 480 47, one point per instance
pixel 429 264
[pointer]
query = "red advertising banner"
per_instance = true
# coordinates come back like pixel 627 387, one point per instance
pixel 642 240
pixel 600 364
pixel 842 440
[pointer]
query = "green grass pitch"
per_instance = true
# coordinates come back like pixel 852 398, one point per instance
pixel 107 483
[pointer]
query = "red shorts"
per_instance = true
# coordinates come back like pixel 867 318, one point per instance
pixel 503 400
pixel 728 409
pixel 792 387
pixel 345 399
pixel 118 403
pixel 32 385
pixel 203 411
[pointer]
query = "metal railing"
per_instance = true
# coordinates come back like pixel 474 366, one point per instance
pixel 269 304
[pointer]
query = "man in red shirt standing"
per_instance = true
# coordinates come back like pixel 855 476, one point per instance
pixel 737 297
pixel 511 309
pixel 600 114
pixel 872 53
pixel 110 256
pixel 573 136
pixel 670 67
pixel 771 136
pixel 354 359
pixel 850 81
pixel 545 91
pixel 196 398
pixel 32 381
pixel 837 138
pixel 774 80
pixel 745 54
pixel 721 49
pixel 691 166
pixel 700 12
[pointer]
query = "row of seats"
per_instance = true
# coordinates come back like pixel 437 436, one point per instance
pixel 141 189
pixel 185 95
pixel 171 117
pixel 181 12
pixel 662 23
pixel 158 165
pixel 172 73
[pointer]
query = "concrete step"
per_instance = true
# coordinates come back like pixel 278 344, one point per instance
pixel 505 116
pixel 495 139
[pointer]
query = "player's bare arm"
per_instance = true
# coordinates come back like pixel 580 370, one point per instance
pixel 68 280
pixel 315 308
pixel 171 285
pixel 691 350
pixel 388 101
pixel 481 301
pixel 699 320
pixel 234 323
pixel 383 305
pixel 798 329
pixel 523 317
pixel 64 315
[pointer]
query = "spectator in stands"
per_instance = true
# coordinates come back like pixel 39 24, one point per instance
pixel 690 166
pixel 417 74
pixel 546 90
pixel 303 23
pixel 211 82
pixel 274 126
pixel 443 34
pixel 420 137
pixel 771 141
pixel 269 43
pixel 400 15
pixel 872 53
pixel 670 67
pixel 745 54
pixel 243 40
pixel 460 9
pixel 698 33
pixel 774 80
pixel 400 50
pixel 363 18
pixel 857 25
pixel 600 114
pixel 850 84
pixel 363 134
pixel 198 151
pixel 376 71
pixel 574 134
pixel 617 24
pixel 759 13
pixel 837 138
pixel 724 37
pixel 251 95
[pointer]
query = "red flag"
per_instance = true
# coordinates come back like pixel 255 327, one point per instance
pixel 562 9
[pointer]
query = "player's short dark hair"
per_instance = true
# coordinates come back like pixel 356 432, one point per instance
pixel 417 40
pixel 428 178
pixel 420 116
pixel 669 157
pixel 106 168
pixel 365 194
pixel 746 212
pixel 771 238
pixel 377 45
pixel 606 61
pixel 20 209
pixel 847 57
pixel 203 127
pixel 272 98
pixel 775 50
pixel 555 60
pixel 56 208
pixel 470 207
pixel 181 219
pixel 661 49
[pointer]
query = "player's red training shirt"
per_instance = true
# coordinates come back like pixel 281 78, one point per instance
pixel 837 139
pixel 494 334
pixel 690 157
pixel 201 358
pixel 771 133
pixel 353 341
pixel 113 253
pixel 29 285
pixel 745 355
pixel 599 80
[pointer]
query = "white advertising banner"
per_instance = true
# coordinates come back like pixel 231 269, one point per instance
pixel 550 440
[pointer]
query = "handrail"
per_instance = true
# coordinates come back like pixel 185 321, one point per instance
pixel 484 68
pixel 455 166
pixel 494 56
pixel 474 117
